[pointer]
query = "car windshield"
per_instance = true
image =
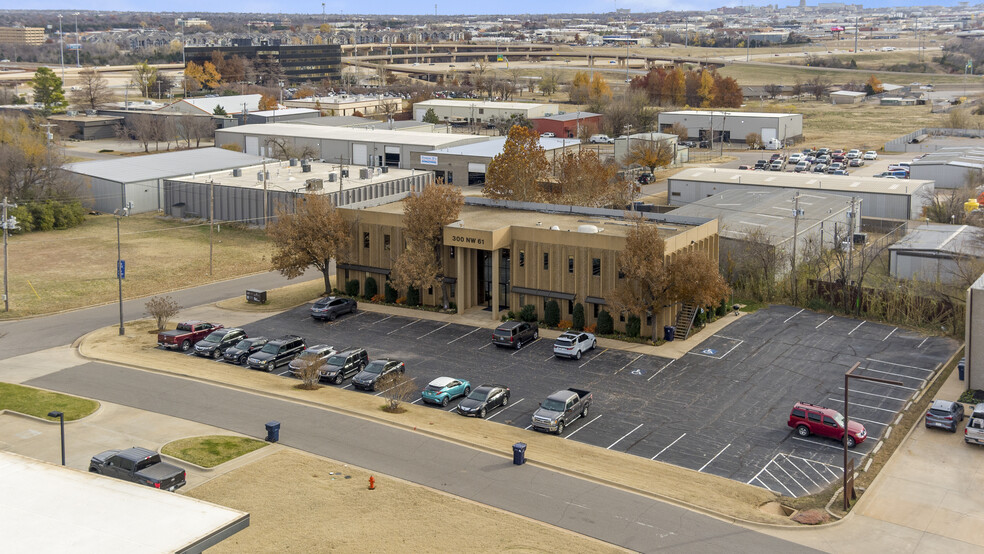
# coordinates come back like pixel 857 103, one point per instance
pixel 554 405
pixel 839 419
pixel 270 348
pixel 243 344
pixel 336 360
pixel 564 342
pixel 479 394
pixel 375 367
pixel 214 337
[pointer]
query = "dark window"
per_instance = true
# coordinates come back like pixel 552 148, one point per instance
pixel 481 110
pixel 595 310
pixel 570 264
pixel 452 252
pixel 570 307
pixel 386 242
pixel 649 319
pixel 546 260
pixel 522 258
pixel 813 416
pixel 430 289
pixel 621 317
pixel 829 421
pixel 596 267
pixel 621 274
pixel 365 240
pixel 346 275
pixel 125 464
pixel 799 413
pixel 674 194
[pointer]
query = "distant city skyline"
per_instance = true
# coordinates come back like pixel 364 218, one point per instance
pixel 395 7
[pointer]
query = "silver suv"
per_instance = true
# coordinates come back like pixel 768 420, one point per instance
pixel 945 414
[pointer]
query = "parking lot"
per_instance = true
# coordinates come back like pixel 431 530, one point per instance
pixel 721 408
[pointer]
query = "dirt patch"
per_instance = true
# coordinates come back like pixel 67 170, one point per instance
pixel 625 470
pixel 301 503
pixel 774 508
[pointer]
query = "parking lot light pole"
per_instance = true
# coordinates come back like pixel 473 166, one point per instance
pixel 120 214
pixel 847 382
pixel 61 419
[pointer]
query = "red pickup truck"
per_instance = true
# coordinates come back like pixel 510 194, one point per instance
pixel 186 334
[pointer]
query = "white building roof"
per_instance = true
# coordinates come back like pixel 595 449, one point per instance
pixel 845 183
pixel 411 138
pixel 134 169
pixel 285 111
pixel 851 93
pixel 495 146
pixel 468 103
pixel 730 114
pixel 940 237
pixel 231 104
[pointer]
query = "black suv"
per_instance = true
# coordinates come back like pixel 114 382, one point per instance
pixel 243 349
pixel 332 307
pixel 216 343
pixel 345 364
pixel 277 353
pixel 376 371
pixel 315 355
pixel 515 334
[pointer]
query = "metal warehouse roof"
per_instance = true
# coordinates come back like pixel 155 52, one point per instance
pixel 940 237
pixel 729 114
pixel 963 156
pixel 50 508
pixel 468 103
pixel 741 211
pixel 848 183
pixel 134 169
pixel 231 104
pixel 285 111
pixel 410 138
pixel 570 116
pixel 495 146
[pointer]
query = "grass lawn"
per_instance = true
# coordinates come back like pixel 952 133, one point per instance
pixel 281 298
pixel 212 450
pixel 38 403
pixel 59 270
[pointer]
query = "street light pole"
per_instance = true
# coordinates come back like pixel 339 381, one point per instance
pixel 61 42
pixel 8 224
pixel 61 420
pixel 120 214
pixel 78 42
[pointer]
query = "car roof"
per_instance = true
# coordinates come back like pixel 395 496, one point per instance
pixel 570 334
pixel 286 338
pixel 350 351
pixel 443 381
pixel 942 405
pixel 320 348
pixel 815 408
pixel 510 324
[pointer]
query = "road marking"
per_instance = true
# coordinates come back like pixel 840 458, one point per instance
pixel 630 363
pixel 417 400
pixel 583 426
pixel 873 394
pixel 504 408
pixel 465 335
pixel 712 459
pixel 763 485
pixel 486 346
pixel 379 321
pixel 348 386
pixel 721 357
pixel 923 342
pixel 749 482
pixel 407 325
pixel 592 358
pixel 669 445
pixel 856 405
pixel 520 349
pixel 856 328
pixel 839 447
pixel 435 330
pixel 901 365
pixel 793 478
pixel 794 315
pixel 550 358
pixel 824 321
pixel 528 427
pixel 357 314
pixel 661 371
pixel 890 334
pixel 284 373
pixel 623 436
pixel 805 474
pixel 781 484
pixel 895 374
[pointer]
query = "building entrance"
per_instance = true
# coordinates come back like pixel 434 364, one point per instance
pixel 485 277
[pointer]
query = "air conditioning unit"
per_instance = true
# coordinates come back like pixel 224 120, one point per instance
pixel 364 173
pixel 305 168
pixel 71 113
pixel 314 184
pixel 345 173
pixel 385 169
pixel 259 175
pixel 332 177
pixel 293 162
pixel 237 172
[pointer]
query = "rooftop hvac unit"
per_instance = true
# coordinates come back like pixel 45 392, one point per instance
pixel 332 177
pixel 259 175
pixel 237 172
pixel 385 169
pixel 345 173
pixel 305 168
pixel 293 162
pixel 148 102
pixel 314 184
pixel 90 112
pixel 364 173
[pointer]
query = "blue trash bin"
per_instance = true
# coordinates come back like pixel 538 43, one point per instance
pixel 519 453
pixel 961 367
pixel 668 332
pixel 273 431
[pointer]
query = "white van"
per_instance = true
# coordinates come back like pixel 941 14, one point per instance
pixel 601 139
pixel 773 144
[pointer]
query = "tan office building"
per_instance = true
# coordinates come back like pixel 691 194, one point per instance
pixel 32 36
pixel 503 258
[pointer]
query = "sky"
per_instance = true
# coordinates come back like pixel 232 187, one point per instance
pixel 444 7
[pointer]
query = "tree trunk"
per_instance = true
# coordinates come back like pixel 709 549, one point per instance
pixel 444 294
pixel 326 273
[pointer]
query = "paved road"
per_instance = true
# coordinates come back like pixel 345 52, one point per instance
pixel 623 518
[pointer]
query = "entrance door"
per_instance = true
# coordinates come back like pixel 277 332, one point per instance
pixel 485 277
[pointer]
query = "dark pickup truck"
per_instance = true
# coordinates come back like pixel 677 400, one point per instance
pixel 561 409
pixel 186 334
pixel 140 466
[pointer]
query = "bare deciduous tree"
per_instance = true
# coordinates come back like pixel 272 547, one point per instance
pixel 162 309
pixel 92 90
pixel 398 388
pixel 307 372
pixel 773 90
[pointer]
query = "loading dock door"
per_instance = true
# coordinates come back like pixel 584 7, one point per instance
pixel 476 174
pixel 360 154
pixel 392 158
pixel 768 134
pixel 253 145
pixel 420 113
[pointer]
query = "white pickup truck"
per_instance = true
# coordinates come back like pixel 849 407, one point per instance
pixel 974 431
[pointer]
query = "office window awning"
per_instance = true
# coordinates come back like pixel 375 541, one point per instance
pixel 544 293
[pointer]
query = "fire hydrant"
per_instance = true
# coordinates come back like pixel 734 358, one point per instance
pixel 372 483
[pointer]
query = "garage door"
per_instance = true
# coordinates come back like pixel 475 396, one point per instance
pixel 360 154
pixel 419 114
pixel 253 145
pixel 768 134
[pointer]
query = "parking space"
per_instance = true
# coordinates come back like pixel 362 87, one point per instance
pixel 722 408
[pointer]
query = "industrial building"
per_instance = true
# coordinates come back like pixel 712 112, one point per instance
pixel 624 144
pixel 466 164
pixel 895 199
pixel 568 125
pixel 974 335
pixel 300 63
pixel 83 126
pixel 356 122
pixel 344 104
pixel 480 111
pixel 31 36
pixel 735 126
pixel 279 116
pixel 108 185
pixel 937 252
pixel 847 97
pixel 502 255
pixel 363 147
pixel 952 167
pixel 207 105
pixel 750 219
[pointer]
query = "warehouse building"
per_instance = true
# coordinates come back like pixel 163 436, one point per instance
pixel 894 199
pixel 207 105
pixel 279 116
pixel 502 255
pixel 951 167
pixel 108 185
pixel 344 104
pixel 936 252
pixel 735 126
pixel 751 219
pixel 466 164
pixel 480 111
pixel 847 97
pixel 625 144
pixel 374 148
pixel 366 123
pixel 974 335
pixel 568 125
pixel 300 63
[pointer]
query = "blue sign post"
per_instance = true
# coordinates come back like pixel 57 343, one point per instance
pixel 121 270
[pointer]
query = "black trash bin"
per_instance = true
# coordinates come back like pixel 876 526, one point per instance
pixel 961 367
pixel 668 332
pixel 519 453
pixel 273 431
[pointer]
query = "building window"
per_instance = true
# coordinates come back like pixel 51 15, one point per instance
pixel 346 275
pixel 649 319
pixel 546 260
pixel 595 310
pixel 386 242
pixel 570 307
pixel 621 274
pixel 674 194
pixel 522 258
pixel 452 252
pixel 481 111
pixel 621 317
pixel 522 300
pixel 365 240
pixel 570 264
pixel 451 289
pixel 430 289
pixel 596 267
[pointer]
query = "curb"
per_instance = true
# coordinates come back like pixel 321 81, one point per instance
pixel 97 411
pixel 203 469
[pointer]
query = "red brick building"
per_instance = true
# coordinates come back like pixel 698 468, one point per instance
pixel 568 125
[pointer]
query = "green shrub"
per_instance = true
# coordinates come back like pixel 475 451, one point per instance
pixel 25 221
pixel 68 214
pixel 578 317
pixel 528 313
pixel 606 325
pixel 390 294
pixel 701 318
pixel 722 308
pixel 551 313
pixel 633 326
pixel 511 315
pixel 352 287
pixel 372 289
pixel 43 214
pixel 413 297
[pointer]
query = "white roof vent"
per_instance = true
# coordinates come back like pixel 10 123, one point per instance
pixel 554 228
pixel 587 229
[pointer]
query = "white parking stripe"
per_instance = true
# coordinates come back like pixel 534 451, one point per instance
pixel 781 484
pixel 623 436
pixel 592 358
pixel 870 421
pixel 669 445
pixel 714 458
pixel 923 342
pixel 528 427
pixel 824 321
pixel 805 474
pixel 486 346
pixel 749 482
pixel 407 325
pixel 435 330
pixel 348 386
pixel 895 374
pixel 809 463
pixel 890 334
pixel 520 349
pixel 417 400
pixel 878 395
pixel 660 371
pixel 465 335
pixel 901 365
pixel 856 328
pixel 380 320
pixel 839 447
pixel 766 487
pixel 582 427
pixel 630 363
pixel 794 315
pixel 550 358
pixel 504 408
pixel 453 408
pixel 857 405
pixel 793 478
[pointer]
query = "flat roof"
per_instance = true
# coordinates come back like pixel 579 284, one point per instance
pixel 495 146
pixel 51 508
pixel 335 121
pixel 285 111
pixel 231 104
pixel 940 237
pixel 132 169
pixel 339 99
pixel 83 117
pixel 570 116
pixel 963 156
pixel 848 93
pixel 844 183
pixel 469 102
pixel 729 114
pixel 285 178
pixel 410 138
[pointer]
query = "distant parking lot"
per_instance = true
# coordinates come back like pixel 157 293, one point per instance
pixel 721 408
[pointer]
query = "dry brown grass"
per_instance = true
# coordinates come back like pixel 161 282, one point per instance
pixel 632 472
pixel 59 270
pixel 297 505
pixel 281 298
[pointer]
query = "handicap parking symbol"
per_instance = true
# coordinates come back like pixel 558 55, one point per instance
pixel 638 372
pixel 709 351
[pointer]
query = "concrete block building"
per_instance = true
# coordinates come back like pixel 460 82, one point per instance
pixel 480 111
pixel 735 126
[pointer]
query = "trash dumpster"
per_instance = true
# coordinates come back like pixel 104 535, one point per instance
pixel 273 431
pixel 519 453
pixel 668 332
pixel 961 367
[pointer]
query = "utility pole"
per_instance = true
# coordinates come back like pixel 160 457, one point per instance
pixel 686 32
pixel 796 218
pixel 61 42
pixel 850 245
pixel 9 224
pixel 855 35
pixel 211 221
pixel 264 194
pixel 78 43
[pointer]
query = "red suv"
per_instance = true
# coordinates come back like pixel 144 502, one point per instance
pixel 808 419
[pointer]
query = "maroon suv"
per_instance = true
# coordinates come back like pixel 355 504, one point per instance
pixel 809 419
